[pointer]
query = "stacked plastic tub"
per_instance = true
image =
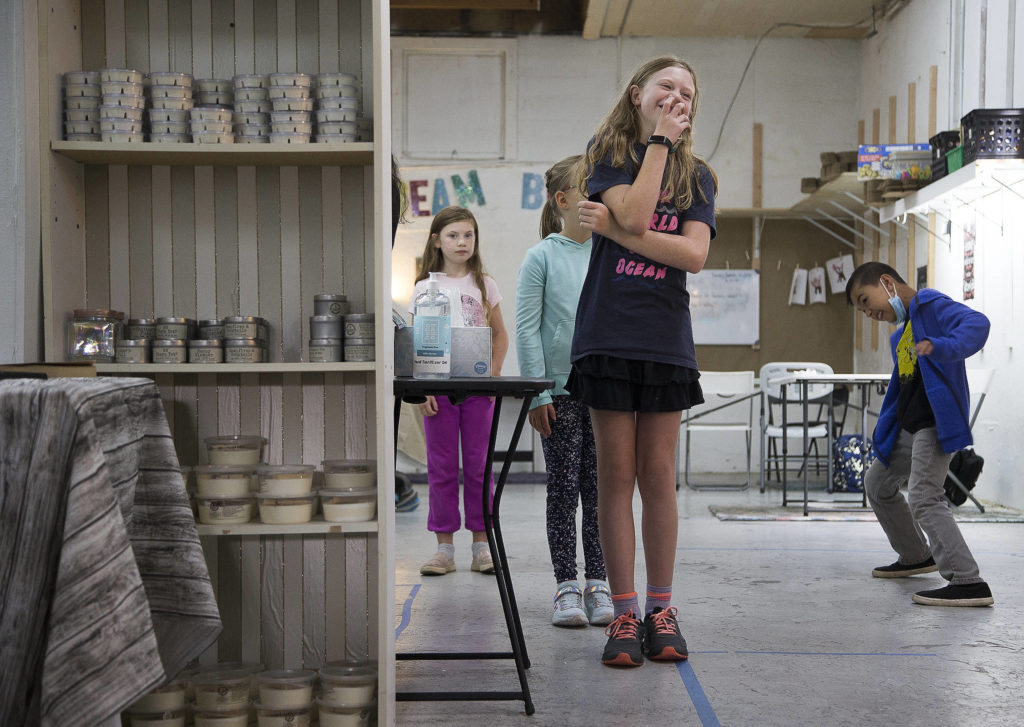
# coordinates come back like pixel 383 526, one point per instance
pixel 170 107
pixel 251 117
pixel 121 105
pixel 211 115
pixel 82 105
pixel 337 108
pixel 291 105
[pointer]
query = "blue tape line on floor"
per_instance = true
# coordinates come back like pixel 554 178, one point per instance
pixel 700 700
pixel 406 611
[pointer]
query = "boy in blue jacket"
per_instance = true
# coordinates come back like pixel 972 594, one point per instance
pixel 923 421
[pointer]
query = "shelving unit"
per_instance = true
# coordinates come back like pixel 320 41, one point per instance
pixel 966 185
pixel 208 231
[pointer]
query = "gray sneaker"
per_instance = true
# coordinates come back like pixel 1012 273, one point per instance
pixel 568 607
pixel 598 601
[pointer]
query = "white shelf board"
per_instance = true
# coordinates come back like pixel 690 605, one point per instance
pixel 148 153
pixel 316 526
pixel 964 186
pixel 253 368
pixel 836 190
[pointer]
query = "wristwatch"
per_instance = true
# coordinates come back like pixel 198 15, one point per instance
pixel 659 139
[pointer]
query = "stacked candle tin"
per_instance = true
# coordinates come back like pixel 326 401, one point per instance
pixel 326 327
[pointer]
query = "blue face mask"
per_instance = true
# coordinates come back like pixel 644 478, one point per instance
pixel 897 306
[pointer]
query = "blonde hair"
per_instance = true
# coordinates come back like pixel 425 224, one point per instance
pixel 433 259
pixel 621 129
pixel 558 178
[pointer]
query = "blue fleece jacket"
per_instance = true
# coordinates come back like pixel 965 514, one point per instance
pixel 957 332
pixel 547 294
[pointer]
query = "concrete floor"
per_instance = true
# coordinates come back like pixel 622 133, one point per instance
pixel 784 623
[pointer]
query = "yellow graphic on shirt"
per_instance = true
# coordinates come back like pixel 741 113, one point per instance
pixel 906 354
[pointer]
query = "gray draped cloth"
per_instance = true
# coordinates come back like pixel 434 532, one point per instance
pixel 104 590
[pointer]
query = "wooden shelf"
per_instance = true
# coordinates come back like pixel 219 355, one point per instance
pixel 837 190
pixel 966 185
pixel 315 527
pixel 253 368
pixel 218 155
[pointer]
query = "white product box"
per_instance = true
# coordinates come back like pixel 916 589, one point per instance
pixel 471 351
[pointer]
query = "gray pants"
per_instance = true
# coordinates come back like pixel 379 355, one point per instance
pixel 921 457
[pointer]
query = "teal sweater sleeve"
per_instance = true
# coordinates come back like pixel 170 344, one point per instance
pixel 529 315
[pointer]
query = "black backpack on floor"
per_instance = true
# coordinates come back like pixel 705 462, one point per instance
pixel 966 465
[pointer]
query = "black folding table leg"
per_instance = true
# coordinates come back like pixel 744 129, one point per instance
pixel 501 568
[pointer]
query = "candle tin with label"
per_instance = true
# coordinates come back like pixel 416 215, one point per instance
pixel 136 328
pixel 205 350
pixel 359 349
pixel 132 350
pixel 174 328
pixel 325 327
pixel 211 328
pixel 242 350
pixel 324 350
pixel 330 304
pixel 359 325
pixel 169 350
pixel 241 327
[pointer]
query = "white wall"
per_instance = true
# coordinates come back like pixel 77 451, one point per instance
pixel 19 231
pixel 990 38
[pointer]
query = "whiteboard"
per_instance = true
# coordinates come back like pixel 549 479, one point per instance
pixel 725 307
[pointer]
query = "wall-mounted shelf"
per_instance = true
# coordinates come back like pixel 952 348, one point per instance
pixel 844 190
pixel 218 155
pixel 317 526
pixel 253 368
pixel 966 185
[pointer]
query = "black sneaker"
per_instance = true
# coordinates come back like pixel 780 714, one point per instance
pixel 969 594
pixel 900 570
pixel 624 646
pixel 406 498
pixel 662 640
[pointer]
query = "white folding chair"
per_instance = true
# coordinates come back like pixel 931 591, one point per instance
pixel 978 381
pixel 728 407
pixel 819 395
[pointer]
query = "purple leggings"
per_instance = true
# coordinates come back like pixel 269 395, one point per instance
pixel 472 420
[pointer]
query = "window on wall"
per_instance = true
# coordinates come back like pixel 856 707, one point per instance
pixel 453 98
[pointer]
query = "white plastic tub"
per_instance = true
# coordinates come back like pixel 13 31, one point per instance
pixel 349 474
pixel 125 75
pixel 199 125
pixel 121 137
pixel 337 127
pixel 348 684
pixel 174 718
pixel 120 112
pixel 289 138
pixel 283 688
pixel 121 125
pixel 252 107
pixel 235 449
pixel 291 127
pixel 335 79
pixel 213 85
pixel 299 80
pixel 221 718
pixel 251 94
pixel 222 689
pixel 285 480
pixel 124 99
pixel 168 698
pixel 224 510
pixel 294 510
pixel 179 92
pixel 82 77
pixel 169 127
pixel 170 78
pixel 349 506
pixel 170 138
pixel 284 717
pixel 82 127
pixel 332 115
pixel 129 89
pixel 72 90
pixel 215 98
pixel 82 102
pixel 212 113
pixel 350 104
pixel 224 480
pixel 344 91
pixel 283 117
pixel 175 116
pixel 291 104
pixel 178 104
pixel 249 80
pixel 213 137
pixel 344 716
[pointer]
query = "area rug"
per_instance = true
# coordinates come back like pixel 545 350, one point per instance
pixel 849 512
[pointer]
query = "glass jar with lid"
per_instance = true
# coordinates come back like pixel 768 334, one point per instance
pixel 92 335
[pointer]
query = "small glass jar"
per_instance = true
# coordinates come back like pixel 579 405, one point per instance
pixel 330 304
pixel 241 327
pixel 325 327
pixel 132 350
pixel 211 328
pixel 174 328
pixel 92 335
pixel 359 325
pixel 136 328
pixel 359 349
pixel 169 351
pixel 324 350
pixel 205 351
pixel 242 350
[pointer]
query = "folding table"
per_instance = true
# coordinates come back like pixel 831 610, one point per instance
pixel 861 381
pixel 458 389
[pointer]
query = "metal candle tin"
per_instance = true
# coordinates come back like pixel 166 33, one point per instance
pixel 324 350
pixel 170 328
pixel 205 350
pixel 241 327
pixel 359 349
pixel 242 350
pixel 325 327
pixel 132 350
pixel 330 304
pixel 169 350
pixel 359 325
pixel 137 328
pixel 211 328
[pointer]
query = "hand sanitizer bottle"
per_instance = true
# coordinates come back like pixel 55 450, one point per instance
pixel 431 333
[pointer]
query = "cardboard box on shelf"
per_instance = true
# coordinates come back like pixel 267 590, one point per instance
pixel 894 161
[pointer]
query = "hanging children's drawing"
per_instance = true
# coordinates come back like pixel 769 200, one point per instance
pixel 798 288
pixel 839 271
pixel 816 285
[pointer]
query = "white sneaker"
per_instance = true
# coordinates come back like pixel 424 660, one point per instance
pixel 569 605
pixel 598 602
pixel 439 564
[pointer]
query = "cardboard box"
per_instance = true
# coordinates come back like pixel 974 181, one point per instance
pixel 894 161
pixel 471 351
pixel 52 370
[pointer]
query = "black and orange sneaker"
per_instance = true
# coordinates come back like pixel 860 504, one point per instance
pixel 624 646
pixel 662 639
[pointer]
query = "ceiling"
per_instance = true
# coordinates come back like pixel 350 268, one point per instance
pixel 610 18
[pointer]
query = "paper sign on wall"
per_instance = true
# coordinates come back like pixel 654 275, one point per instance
pixel 839 271
pixel 798 288
pixel 816 285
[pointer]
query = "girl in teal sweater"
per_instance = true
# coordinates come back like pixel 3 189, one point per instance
pixel 549 287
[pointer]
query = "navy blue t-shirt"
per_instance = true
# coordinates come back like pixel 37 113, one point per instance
pixel 630 306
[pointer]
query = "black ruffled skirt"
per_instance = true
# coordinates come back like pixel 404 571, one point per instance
pixel 620 384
